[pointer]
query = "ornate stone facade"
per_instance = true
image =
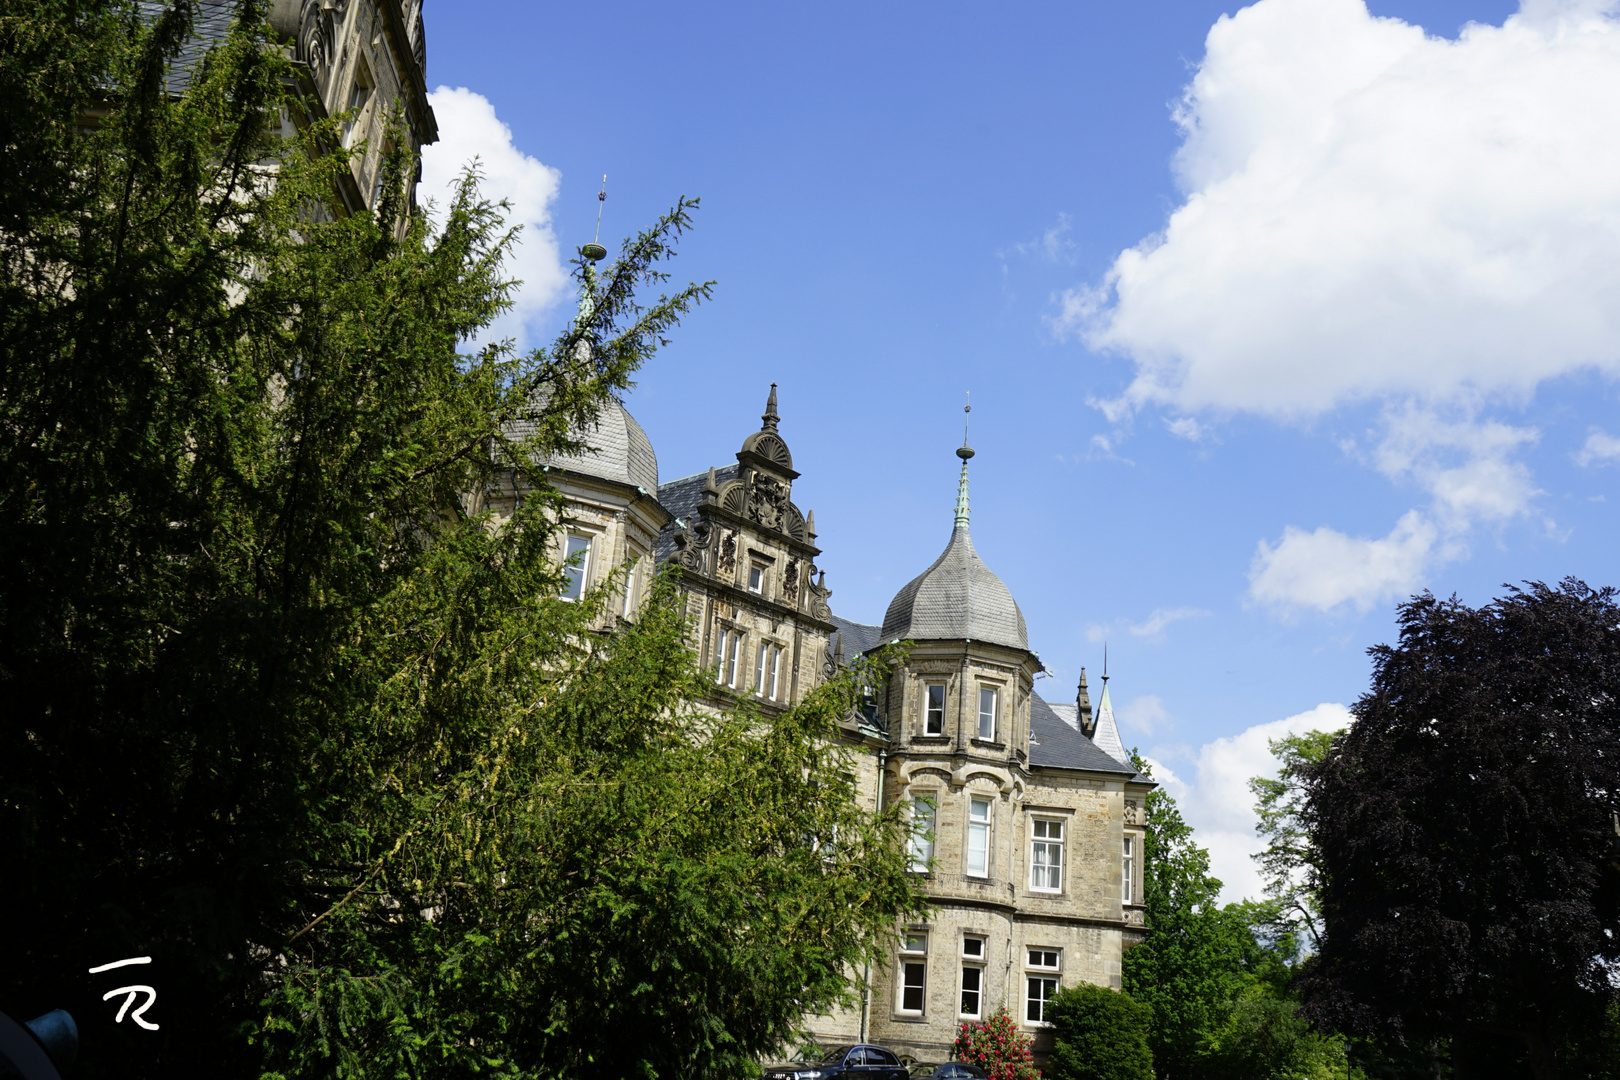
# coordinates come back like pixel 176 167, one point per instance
pixel 1029 836
pixel 365 57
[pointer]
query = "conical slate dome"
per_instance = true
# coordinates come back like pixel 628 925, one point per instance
pixel 957 598
pixel 620 450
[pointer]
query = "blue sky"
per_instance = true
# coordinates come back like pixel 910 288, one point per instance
pixel 1270 316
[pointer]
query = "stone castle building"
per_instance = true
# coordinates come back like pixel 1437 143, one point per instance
pixel 1028 817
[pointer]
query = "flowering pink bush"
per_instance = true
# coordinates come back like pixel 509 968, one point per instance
pixel 997 1047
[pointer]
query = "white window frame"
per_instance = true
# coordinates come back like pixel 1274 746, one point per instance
pixel 1127 881
pixel 922 842
pixel 756 578
pixel 361 91
pixel 987 721
pixel 913 956
pixel 929 711
pixel 979 828
pixel 578 578
pixel 726 654
pixel 1043 977
pixel 630 586
pixel 1046 854
pixel 974 962
pixel 767 670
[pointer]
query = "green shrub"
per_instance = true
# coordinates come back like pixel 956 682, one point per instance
pixel 1101 1034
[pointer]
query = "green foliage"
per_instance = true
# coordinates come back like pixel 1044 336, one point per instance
pixel 1198 956
pixel 287 708
pixel 997 1047
pixel 1101 1034
pixel 1264 1038
pixel 1470 884
pixel 1290 865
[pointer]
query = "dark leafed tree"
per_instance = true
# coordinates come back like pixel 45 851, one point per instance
pixel 280 707
pixel 1469 876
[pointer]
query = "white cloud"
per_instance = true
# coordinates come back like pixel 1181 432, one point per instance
pixel 1326 568
pixel 1145 714
pixel 1185 427
pixel 1152 627
pixel 469 128
pixel 1372 212
pixel 1218 804
pixel 1601 449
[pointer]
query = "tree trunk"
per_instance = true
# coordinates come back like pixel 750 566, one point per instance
pixel 1543 1057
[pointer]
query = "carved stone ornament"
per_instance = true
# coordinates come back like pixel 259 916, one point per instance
pixel 690 543
pixel 728 553
pixel 790 581
pixel 1130 811
pixel 794 524
pixel 818 599
pixel 767 501
pixel 316 37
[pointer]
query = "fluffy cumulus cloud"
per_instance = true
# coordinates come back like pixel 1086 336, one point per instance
pixel 1601 449
pixel 1216 800
pixel 1373 214
pixel 469 129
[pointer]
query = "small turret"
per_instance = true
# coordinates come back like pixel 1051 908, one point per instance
pixel 1082 708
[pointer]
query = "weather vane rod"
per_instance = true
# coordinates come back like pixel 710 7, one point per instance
pixel 594 250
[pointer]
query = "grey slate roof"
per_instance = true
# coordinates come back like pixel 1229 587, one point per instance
pixel 957 598
pixel 1106 735
pixel 682 498
pixel 1053 743
pixel 210 26
pixel 858 637
pixel 1069 714
pixel 620 450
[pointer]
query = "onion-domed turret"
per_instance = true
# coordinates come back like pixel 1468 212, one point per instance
pixel 620 450
pixel 958 598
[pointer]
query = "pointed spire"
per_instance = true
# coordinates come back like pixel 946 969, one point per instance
pixel 964 452
pixel 1082 707
pixel 810 526
pixel 1106 735
pixel 770 416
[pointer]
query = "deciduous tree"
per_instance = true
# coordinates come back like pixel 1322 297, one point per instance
pixel 1470 881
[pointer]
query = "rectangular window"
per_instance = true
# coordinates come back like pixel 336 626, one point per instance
pixel 1041 982
pixel 1046 855
pixel 913 972
pixel 359 96
pixel 972 987
pixel 767 671
pixel 1041 990
pixel 987 712
pixel 1127 882
pixel 934 721
pixel 630 588
pixel 729 646
pixel 978 838
pixel 576 564
pixel 756 578
pixel 922 833
pixel 973 948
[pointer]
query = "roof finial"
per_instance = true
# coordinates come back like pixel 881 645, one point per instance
pixel 1105 662
pixel 770 416
pixel 594 251
pixel 964 452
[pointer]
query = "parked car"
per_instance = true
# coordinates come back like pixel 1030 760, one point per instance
pixel 860 1062
pixel 949 1070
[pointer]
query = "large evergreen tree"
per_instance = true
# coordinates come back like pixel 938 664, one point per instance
pixel 1470 877
pixel 282 708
